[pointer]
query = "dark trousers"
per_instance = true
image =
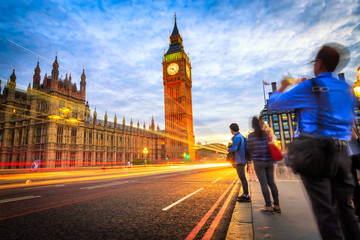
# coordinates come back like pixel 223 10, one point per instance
pixel 355 167
pixel 265 173
pixel 240 169
pixel 330 200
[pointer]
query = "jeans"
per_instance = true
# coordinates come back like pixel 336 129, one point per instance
pixel 330 200
pixel 240 169
pixel 265 173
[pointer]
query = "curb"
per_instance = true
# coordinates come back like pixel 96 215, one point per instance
pixel 241 224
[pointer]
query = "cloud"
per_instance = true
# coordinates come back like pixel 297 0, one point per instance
pixel 233 46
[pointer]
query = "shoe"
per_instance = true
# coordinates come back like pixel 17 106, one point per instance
pixel 277 208
pixel 267 209
pixel 244 198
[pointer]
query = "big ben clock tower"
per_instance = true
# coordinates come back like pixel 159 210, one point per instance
pixel 177 81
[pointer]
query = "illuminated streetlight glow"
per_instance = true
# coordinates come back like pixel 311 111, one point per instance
pixel 356 86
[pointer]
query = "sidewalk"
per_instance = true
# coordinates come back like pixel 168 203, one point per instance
pixel 295 222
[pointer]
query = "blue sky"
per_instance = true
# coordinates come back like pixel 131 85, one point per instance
pixel 233 46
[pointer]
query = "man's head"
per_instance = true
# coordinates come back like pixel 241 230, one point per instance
pixel 234 128
pixel 326 60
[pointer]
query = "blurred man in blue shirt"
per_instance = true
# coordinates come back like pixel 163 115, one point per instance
pixel 238 146
pixel 330 197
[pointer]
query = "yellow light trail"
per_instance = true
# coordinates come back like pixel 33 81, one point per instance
pixel 83 176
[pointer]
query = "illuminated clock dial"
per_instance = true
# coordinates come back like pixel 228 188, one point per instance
pixel 173 68
pixel 188 71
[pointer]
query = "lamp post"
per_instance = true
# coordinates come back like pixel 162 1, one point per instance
pixel 145 151
pixel 356 86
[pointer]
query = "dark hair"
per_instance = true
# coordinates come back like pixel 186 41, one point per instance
pixel 329 56
pixel 234 127
pixel 257 126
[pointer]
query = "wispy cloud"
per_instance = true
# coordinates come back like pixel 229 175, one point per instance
pixel 233 46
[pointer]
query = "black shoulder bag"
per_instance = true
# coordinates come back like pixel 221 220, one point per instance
pixel 311 155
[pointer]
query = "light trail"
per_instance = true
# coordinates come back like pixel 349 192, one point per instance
pixel 76 176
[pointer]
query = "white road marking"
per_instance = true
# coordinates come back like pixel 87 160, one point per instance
pixel 30 188
pixel 220 178
pixel 216 180
pixel 177 202
pixel 104 185
pixel 168 175
pixel 18 198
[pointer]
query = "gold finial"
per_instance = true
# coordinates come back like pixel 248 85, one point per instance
pixel 55 54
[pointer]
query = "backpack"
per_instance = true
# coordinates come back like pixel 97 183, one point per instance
pixel 230 157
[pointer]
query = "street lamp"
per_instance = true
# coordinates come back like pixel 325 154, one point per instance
pixel 356 86
pixel 145 151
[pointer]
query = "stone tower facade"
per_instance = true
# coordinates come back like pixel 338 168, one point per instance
pixel 177 82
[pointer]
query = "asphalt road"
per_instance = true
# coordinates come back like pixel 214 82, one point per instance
pixel 175 204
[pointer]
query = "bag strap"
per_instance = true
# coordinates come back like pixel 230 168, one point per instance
pixel 268 137
pixel 318 90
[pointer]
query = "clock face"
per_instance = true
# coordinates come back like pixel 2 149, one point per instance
pixel 188 71
pixel 172 68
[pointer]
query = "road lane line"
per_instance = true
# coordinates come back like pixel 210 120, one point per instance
pixel 18 198
pixel 104 185
pixel 68 203
pixel 202 222
pixel 220 178
pixel 179 201
pixel 209 233
pixel 216 180
pixel 168 175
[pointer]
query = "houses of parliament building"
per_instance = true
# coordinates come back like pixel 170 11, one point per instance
pixel 52 122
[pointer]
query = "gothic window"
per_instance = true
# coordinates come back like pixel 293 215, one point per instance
pixel 101 157
pixel 40 134
pixel 73 135
pixel 89 158
pixel 20 136
pixel 84 136
pixel 43 132
pixel 61 105
pixel 60 132
pixel 112 140
pixel 171 92
pixel 72 159
pixel 58 158
pixel 43 106
pixel 84 159
pixel 75 112
pixel 1 138
pixel 26 137
pixel 90 138
pixel 110 157
pixel 101 139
